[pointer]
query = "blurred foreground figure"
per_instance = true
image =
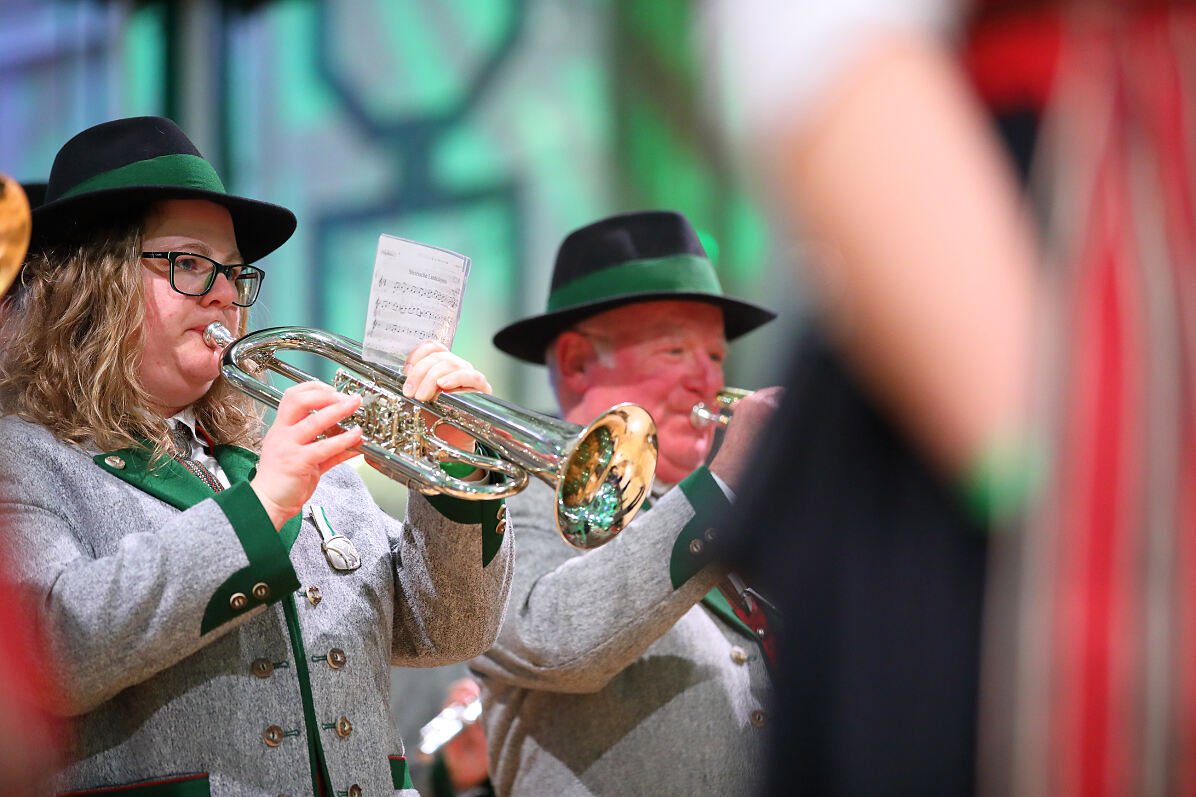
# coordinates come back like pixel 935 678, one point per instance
pixel 28 744
pixel 641 667
pixel 877 146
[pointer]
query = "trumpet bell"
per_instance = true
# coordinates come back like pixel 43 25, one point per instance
pixel 606 476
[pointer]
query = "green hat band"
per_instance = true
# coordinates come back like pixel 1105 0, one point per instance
pixel 672 274
pixel 181 171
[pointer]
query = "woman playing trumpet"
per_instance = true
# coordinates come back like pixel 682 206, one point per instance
pixel 202 639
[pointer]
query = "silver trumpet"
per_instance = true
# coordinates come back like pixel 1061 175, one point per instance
pixel 446 726
pixel 702 416
pixel 601 472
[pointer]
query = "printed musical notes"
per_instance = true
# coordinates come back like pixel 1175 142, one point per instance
pixel 416 295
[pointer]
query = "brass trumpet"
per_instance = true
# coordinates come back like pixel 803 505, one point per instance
pixel 702 416
pixel 601 472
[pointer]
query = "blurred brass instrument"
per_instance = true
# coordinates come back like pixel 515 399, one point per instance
pixel 601 472
pixel 446 726
pixel 702 416
pixel 16 224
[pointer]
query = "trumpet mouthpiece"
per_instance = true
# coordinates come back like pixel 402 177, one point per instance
pixel 217 336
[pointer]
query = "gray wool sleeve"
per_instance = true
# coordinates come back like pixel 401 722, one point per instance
pixel 576 619
pixel 449 601
pixel 125 599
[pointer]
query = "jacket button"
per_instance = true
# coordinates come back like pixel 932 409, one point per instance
pixel 761 632
pixel 739 655
pixel 272 735
pixel 695 547
pixel 344 727
pixel 502 511
pixel 709 535
pixel 114 461
pixel 758 718
pixel 313 596
pixel 238 601
pixel 354 791
pixel 501 528
pixel 262 668
pixel 261 590
pixel 337 658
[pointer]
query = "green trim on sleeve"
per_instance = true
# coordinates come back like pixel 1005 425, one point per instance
pixel 269 563
pixel 717 602
pixel 400 776
pixel 691 550
pixel 458 470
pixel 488 513
pixel 1002 481
pixel 178 786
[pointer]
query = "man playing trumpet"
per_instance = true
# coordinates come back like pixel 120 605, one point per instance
pixel 639 662
pixel 202 640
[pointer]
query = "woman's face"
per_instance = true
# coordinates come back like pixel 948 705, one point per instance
pixel 177 367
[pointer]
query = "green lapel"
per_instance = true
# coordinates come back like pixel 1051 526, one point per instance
pixel 718 603
pixel 238 463
pixel 168 480
pixel 171 482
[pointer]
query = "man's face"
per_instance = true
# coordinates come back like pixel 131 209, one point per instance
pixel 177 367
pixel 665 356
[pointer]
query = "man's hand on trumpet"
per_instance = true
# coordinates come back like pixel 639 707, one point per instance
pixel 305 440
pixel 750 415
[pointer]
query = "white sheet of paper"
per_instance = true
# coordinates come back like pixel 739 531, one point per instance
pixel 416 295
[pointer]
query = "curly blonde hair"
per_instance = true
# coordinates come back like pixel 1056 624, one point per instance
pixel 73 334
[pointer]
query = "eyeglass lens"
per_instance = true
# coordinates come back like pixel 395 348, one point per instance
pixel 194 275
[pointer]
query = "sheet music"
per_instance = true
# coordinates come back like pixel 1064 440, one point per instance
pixel 416 295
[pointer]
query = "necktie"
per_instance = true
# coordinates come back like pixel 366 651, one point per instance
pixel 184 440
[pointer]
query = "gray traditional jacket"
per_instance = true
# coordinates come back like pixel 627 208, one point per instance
pixel 201 652
pixel 612 674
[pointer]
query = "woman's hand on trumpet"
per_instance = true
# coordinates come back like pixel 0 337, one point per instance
pixel 430 369
pixel 302 444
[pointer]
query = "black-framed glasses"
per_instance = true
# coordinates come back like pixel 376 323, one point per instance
pixel 194 275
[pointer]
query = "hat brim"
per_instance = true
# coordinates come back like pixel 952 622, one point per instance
pixel 528 338
pixel 260 227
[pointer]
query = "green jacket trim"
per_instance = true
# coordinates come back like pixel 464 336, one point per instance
pixel 717 602
pixel 167 481
pixel 459 510
pixel 269 560
pixel 691 551
pixel 400 776
pixel 315 749
pixel 181 786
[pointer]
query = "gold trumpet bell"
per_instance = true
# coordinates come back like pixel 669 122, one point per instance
pixel 15 227
pixel 606 478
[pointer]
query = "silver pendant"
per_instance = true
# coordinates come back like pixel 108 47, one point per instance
pixel 339 549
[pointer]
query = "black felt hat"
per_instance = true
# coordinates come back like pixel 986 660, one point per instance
pixel 633 257
pixel 116 167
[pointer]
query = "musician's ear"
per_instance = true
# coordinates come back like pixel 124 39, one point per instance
pixel 575 355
